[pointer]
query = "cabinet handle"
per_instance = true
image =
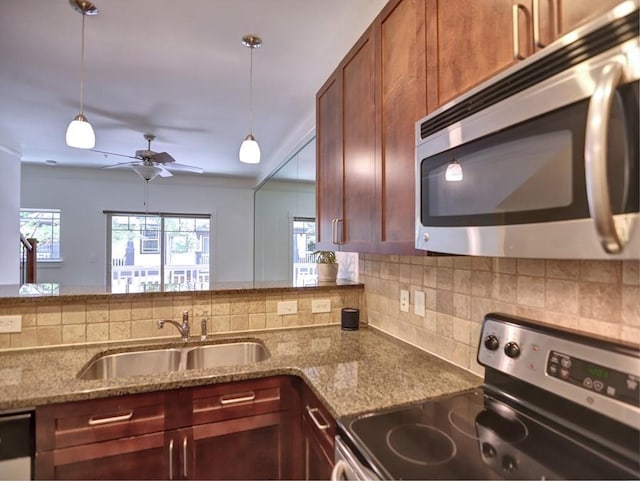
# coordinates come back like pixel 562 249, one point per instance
pixel 184 457
pixel 171 459
pixel 113 419
pixel 334 231
pixel 595 157
pixel 338 234
pixel 312 414
pixel 536 24
pixel 339 471
pixel 516 30
pixel 233 399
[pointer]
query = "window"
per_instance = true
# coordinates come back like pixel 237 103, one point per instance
pixel 152 252
pixel 44 225
pixel 304 244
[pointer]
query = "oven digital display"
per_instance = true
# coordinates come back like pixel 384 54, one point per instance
pixel 609 382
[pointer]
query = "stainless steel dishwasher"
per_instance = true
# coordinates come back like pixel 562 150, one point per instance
pixel 16 446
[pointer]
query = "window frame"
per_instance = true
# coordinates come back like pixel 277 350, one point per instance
pixel 55 213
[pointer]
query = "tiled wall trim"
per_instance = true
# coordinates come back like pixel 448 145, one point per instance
pixel 599 297
pixel 79 322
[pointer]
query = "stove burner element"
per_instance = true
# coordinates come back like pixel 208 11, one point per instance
pixel 509 429
pixel 421 444
pixel 463 414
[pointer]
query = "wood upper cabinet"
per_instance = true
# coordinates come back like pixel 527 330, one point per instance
pixel 402 101
pixel 470 41
pixel 383 93
pixel 359 135
pixel 329 166
pixel 557 17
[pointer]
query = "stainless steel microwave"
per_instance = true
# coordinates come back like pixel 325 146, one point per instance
pixel 542 160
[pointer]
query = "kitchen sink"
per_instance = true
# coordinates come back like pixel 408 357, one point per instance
pixel 159 361
pixel 217 355
pixel 132 364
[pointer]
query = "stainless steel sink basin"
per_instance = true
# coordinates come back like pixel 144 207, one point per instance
pixel 217 355
pixel 159 361
pixel 132 364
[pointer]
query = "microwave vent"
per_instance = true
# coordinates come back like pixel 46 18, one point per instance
pixel 527 75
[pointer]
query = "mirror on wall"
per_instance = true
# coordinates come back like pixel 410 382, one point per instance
pixel 284 221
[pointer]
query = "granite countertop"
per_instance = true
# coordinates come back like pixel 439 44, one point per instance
pixel 47 292
pixel 351 371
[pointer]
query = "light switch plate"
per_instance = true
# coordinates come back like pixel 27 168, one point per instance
pixel 418 303
pixel 404 300
pixel 320 305
pixel 11 323
pixel 287 307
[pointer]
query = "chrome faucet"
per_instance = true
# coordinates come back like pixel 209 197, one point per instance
pixel 184 328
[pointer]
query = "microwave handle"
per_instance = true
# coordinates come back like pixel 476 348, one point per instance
pixel 595 157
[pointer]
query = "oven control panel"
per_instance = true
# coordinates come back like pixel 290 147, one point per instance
pixel 598 374
pixel 594 377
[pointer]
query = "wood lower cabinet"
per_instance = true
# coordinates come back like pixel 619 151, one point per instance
pixel 319 431
pixel 240 430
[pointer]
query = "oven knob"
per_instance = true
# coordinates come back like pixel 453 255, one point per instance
pixel 491 342
pixel 509 464
pixel 512 349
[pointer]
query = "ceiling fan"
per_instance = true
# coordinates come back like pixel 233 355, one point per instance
pixel 150 164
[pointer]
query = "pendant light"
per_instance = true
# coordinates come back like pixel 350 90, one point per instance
pixel 80 133
pixel 250 150
pixel 453 172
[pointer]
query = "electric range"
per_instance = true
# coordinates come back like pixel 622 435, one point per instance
pixel 555 404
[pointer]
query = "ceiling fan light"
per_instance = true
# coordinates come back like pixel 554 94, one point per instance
pixel 147 172
pixel 80 134
pixel 453 172
pixel 250 150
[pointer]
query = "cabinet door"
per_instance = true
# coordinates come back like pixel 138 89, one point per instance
pixel 242 448
pixel 359 134
pixel 474 40
pixel 319 431
pixel 137 457
pixel 329 168
pixel 401 56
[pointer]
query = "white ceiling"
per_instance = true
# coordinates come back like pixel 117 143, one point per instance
pixel 173 68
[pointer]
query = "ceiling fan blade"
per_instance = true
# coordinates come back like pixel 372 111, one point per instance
pixel 113 153
pixel 121 164
pixel 184 168
pixel 164 172
pixel 162 158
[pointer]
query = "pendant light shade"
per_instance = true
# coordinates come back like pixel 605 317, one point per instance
pixel 250 150
pixel 453 172
pixel 80 134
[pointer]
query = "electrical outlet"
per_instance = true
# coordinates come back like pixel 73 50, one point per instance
pixel 320 305
pixel 404 300
pixel 418 303
pixel 287 307
pixel 11 323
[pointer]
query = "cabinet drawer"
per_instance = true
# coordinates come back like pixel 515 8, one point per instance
pixel 236 399
pixel 85 422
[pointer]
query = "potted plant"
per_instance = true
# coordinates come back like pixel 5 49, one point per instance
pixel 327 266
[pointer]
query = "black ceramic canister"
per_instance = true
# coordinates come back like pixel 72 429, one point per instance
pixel 350 318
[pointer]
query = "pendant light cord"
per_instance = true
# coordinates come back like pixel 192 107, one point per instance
pixel 82 69
pixel 251 91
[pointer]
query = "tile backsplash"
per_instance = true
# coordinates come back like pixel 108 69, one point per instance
pixel 598 297
pixel 106 318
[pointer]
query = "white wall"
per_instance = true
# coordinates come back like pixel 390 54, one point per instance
pixel 277 203
pixel 83 194
pixel 9 218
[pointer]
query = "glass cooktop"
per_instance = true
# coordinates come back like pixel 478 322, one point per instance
pixel 475 436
